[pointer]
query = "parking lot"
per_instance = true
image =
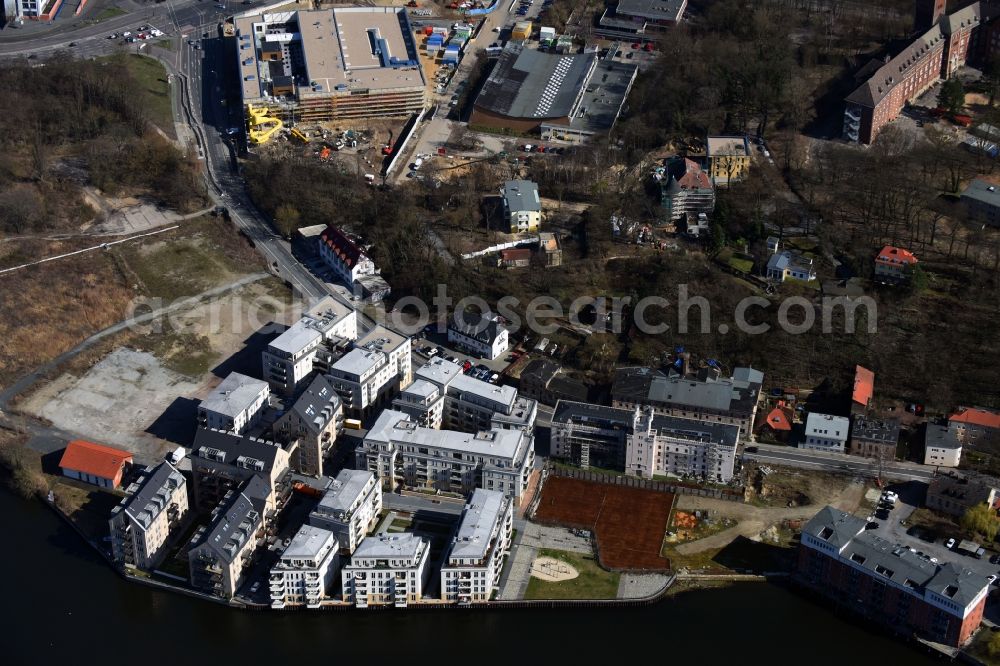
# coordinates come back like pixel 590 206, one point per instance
pixel 897 528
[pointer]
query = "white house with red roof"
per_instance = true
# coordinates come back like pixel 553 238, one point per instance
pixel 97 464
pixel 975 425
pixel 893 264
pixel 344 256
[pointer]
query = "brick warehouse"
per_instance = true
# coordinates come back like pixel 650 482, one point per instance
pixel 888 584
pixel 946 43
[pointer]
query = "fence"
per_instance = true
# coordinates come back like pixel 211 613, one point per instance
pixel 645 484
pixel 404 138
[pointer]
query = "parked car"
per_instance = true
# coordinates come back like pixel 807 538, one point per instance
pixel 992 578
pixel 949 544
pixel 254 587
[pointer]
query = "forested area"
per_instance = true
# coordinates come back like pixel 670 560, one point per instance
pixel 75 123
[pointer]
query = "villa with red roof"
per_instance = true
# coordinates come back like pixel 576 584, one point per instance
pixel 893 264
pixel 975 425
pixel 344 256
pixel 686 189
pixel 92 463
pixel 864 389
pixel 779 420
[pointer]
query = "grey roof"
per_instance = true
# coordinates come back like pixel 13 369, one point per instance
pixel 655 9
pixel 234 525
pixel 982 191
pixel 309 543
pixel 957 583
pixel 389 546
pixel 601 416
pixel 527 83
pixel 344 491
pixel 439 371
pixel 723 434
pixel 395 426
pixel 298 336
pixel 942 436
pixel 885 431
pixel 645 385
pixel 502 397
pixel 747 377
pixel 241 451
pixel 382 338
pixel 540 370
pixel 422 389
pixel 358 361
pixel 234 395
pixel 522 195
pixel 789 259
pixel 603 96
pixel 482 512
pixel 834 526
pixel 314 324
pixel 475 326
pixel 678 390
pixel 897 69
pixel 318 404
pixel 151 498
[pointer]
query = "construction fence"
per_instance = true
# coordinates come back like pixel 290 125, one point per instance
pixel 728 494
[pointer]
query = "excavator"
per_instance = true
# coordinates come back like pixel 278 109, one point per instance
pixel 262 125
pixel 297 133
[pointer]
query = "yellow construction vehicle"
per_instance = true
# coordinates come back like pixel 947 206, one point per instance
pixel 299 135
pixel 262 125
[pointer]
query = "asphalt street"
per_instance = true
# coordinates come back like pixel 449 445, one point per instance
pixel 792 457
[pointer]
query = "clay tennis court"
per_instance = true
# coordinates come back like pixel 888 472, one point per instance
pixel 629 523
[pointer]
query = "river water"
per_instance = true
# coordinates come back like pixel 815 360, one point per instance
pixel 64 605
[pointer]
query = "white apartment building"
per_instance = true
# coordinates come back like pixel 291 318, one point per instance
pixel 481 335
pixel 475 559
pixel 305 573
pixel 423 402
pixel 235 405
pixel 289 358
pixel 671 446
pixel 344 256
pixel 369 375
pixel 399 451
pixel 387 569
pixel 942 446
pixel 220 557
pixel 522 206
pixel 471 404
pixel 350 507
pixel 143 521
pixel 825 432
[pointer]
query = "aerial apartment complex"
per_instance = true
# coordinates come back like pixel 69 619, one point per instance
pixel 234 405
pixel 143 521
pixel 889 584
pixel 475 559
pixel 290 357
pixel 671 446
pixel 705 395
pixel 305 572
pixel 330 64
pixel 387 569
pixel 399 451
pixel 349 508
pixel 946 43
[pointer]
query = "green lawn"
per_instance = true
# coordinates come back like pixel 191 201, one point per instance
pixel 152 76
pixel 109 12
pixel 592 583
pixel 741 265
pixel 167 44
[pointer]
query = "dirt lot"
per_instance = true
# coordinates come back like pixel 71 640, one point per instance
pixel 629 523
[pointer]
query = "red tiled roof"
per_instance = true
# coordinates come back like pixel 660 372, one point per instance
pixel 692 177
pixel 341 245
pixel 94 459
pixel 864 385
pixel 518 254
pixel 976 416
pixel 779 418
pixel 895 255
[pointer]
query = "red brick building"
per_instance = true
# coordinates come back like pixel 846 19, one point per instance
pixel 889 584
pixel 887 86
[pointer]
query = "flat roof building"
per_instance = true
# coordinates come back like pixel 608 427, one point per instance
pixel 305 572
pixel 234 405
pixel 565 96
pixel 350 507
pixel 590 435
pixel 472 567
pixel 663 445
pixel 347 62
pixel 889 584
pixel 388 569
pixel 640 19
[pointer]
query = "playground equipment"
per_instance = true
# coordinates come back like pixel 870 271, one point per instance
pixel 299 135
pixel 262 125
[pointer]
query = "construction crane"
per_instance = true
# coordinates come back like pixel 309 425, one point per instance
pixel 262 125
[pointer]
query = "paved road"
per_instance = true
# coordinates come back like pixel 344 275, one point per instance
pixel 783 455
pixel 412 503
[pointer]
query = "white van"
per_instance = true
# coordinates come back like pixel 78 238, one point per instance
pixel 417 163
